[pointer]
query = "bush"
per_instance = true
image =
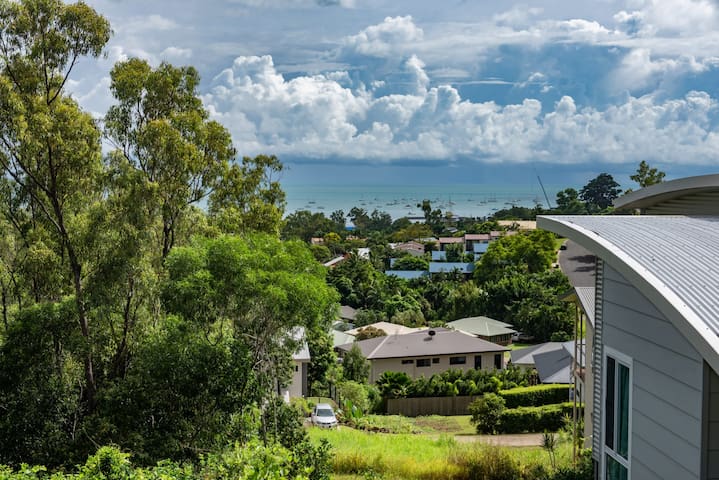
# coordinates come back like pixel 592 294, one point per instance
pixel 535 396
pixel 355 393
pixel 487 463
pixel 547 418
pixel 487 412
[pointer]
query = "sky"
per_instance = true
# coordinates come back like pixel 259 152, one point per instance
pixel 420 91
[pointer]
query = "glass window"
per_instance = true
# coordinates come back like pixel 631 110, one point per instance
pixel 435 360
pixel 498 361
pixel 457 360
pixel 423 362
pixel 407 362
pixel 617 408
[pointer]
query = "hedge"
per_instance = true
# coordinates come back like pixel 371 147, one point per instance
pixel 535 396
pixel 549 418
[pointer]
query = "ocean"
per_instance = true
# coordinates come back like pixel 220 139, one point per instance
pixel 467 200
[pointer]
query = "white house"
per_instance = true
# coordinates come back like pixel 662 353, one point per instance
pixel 656 331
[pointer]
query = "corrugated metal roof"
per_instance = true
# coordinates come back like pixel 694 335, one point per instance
pixel 586 296
pixel 690 195
pixel 525 356
pixel 438 267
pixel 423 345
pixel 674 260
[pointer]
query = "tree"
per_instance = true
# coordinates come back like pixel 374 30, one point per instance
pixel 432 218
pixel 368 332
pixel 568 202
pixel 646 176
pixel 524 252
pixel 49 148
pixel 355 366
pixel 160 128
pixel 410 262
pixel 304 225
pixel 486 412
pixel 600 192
pixel 248 197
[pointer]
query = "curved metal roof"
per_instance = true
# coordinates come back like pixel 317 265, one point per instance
pixel 695 195
pixel 672 260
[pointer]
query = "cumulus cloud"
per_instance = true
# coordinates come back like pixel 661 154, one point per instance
pixel 395 35
pixel 317 117
pixel 176 53
pixel 639 70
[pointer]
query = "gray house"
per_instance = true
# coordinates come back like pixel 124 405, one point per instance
pixel 656 325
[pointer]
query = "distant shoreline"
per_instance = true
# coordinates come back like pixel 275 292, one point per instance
pixel 468 200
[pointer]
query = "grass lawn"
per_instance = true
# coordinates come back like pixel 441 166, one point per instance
pixel 361 455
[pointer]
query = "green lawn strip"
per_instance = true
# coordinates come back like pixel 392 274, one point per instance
pixel 408 456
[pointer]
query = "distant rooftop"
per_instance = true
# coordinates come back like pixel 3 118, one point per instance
pixel 424 345
pixel 484 326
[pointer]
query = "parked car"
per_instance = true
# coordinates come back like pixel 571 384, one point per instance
pixel 323 416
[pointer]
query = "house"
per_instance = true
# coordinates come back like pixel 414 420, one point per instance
pixel 415 249
pixel 485 328
pixel 427 352
pixel 298 386
pixel 444 242
pixel 524 357
pixel 335 261
pixel 408 274
pixel 655 345
pixel 348 314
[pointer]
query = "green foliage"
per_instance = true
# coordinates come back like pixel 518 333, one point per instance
pixel 248 197
pixel 536 395
pixel 162 131
pixel 646 176
pixel 547 418
pixel 303 225
pixel 355 366
pixel 355 393
pixel 530 252
pixel 568 203
pixel 410 262
pixel 487 463
pixel 600 192
pixel 393 384
pixel 486 412
pixel 469 382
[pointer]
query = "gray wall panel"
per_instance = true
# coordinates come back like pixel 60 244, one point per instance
pixel 667 383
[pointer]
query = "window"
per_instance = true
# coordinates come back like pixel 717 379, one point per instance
pixel 617 412
pixel 297 368
pixel 407 362
pixel 435 360
pixel 423 362
pixel 457 360
pixel 478 362
pixel 498 361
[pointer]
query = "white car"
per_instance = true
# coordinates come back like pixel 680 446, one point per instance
pixel 323 416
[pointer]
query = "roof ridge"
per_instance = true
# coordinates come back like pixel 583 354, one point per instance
pixel 378 347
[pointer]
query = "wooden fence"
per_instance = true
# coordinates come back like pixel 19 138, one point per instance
pixel 414 407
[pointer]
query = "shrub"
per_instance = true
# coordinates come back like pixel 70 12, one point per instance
pixel 535 396
pixel 487 463
pixel 548 418
pixel 487 412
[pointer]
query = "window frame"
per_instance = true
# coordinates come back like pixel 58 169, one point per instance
pixel 607 451
pixel 458 360
pixel 426 362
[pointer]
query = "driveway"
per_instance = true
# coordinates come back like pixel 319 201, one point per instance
pixel 577 263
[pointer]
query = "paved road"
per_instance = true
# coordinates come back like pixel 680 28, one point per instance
pixel 577 263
